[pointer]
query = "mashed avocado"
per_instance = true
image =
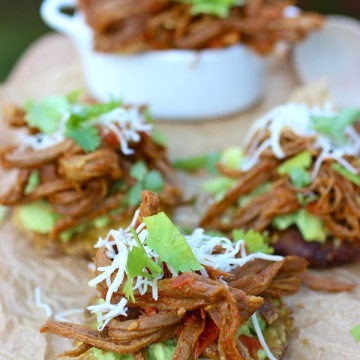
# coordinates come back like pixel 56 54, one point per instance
pixel 232 158
pixel 161 351
pixel 107 355
pixel 311 227
pixel 38 217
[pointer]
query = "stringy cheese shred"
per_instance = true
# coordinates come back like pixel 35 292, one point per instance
pixel 62 316
pixel 261 337
pixel 125 124
pixel 39 303
pixel 297 117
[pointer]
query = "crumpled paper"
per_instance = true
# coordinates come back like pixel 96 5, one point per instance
pixel 322 320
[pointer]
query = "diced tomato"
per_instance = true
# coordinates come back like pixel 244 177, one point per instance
pixel 312 208
pixel 110 139
pixel 252 344
pixel 209 334
pixel 150 311
pixel 181 281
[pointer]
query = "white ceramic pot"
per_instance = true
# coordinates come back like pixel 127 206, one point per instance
pixel 177 84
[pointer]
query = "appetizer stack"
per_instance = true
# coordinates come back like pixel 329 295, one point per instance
pixel 163 295
pixel 78 168
pixel 297 178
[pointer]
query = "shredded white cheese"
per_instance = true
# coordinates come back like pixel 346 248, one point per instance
pixel 201 244
pixel 62 316
pixel 297 117
pixel 126 124
pixel 39 303
pixel 40 141
pixel 291 11
pixel 261 337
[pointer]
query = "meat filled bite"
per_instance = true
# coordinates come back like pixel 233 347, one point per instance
pixel 298 179
pixel 165 295
pixel 78 167
pixel 142 25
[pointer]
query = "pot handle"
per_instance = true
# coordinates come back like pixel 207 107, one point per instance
pixel 52 15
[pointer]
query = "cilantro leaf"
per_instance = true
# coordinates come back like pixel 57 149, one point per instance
pixel 220 8
pixel 146 180
pixel 355 179
pixel 194 163
pixel 158 137
pixel 154 181
pixel 86 112
pixel 47 114
pixel 136 262
pixel 87 138
pixel 334 126
pixel 134 194
pixel 255 241
pixel 300 178
pixel 170 244
pixel 295 168
pixel 128 289
pixel 138 170
pixel 134 268
pixel 74 95
pixel 355 332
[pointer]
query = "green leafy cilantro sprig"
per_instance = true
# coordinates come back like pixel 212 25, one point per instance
pixel 334 126
pixel 167 241
pixel 355 332
pixel 146 180
pixel 219 8
pixel 65 113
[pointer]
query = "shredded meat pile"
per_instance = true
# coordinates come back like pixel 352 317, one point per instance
pixel 335 197
pixel 80 186
pixel 138 25
pixel 201 314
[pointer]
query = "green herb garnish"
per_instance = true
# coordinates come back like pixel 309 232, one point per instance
pixel 255 241
pixel 355 179
pixel 219 8
pixel 334 126
pixel 355 332
pixel 87 137
pixel 54 113
pixel 195 163
pixel 170 244
pixel 138 260
pixel 47 114
pixel 146 180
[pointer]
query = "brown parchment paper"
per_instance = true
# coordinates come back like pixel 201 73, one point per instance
pixel 322 321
